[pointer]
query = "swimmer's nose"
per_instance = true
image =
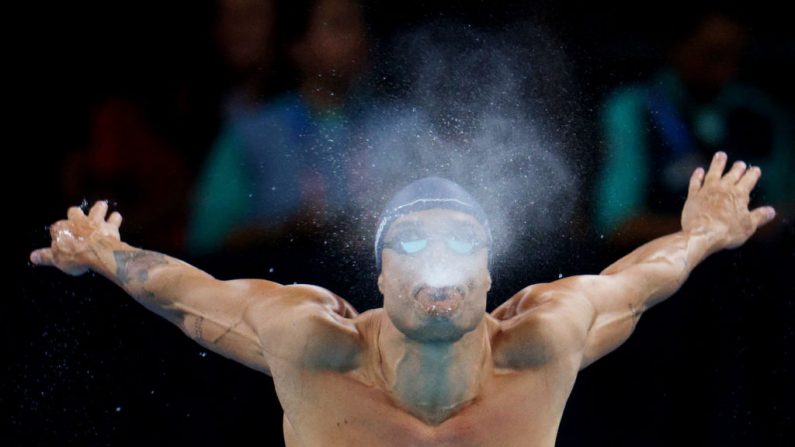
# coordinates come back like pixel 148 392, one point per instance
pixel 436 249
pixel 436 256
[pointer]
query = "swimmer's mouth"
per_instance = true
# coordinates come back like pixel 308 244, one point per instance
pixel 440 302
pixel 438 293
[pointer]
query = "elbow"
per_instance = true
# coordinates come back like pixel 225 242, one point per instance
pixel 611 330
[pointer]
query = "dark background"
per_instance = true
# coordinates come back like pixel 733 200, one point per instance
pixel 83 364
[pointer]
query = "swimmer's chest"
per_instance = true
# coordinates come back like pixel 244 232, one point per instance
pixel 330 409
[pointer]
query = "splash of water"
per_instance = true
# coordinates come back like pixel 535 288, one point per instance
pixel 490 111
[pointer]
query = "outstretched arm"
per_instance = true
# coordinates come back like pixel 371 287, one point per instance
pixel 589 316
pixel 715 217
pixel 239 319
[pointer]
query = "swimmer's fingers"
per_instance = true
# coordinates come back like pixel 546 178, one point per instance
pixel 115 219
pixel 716 168
pixel 696 181
pixel 98 211
pixel 75 213
pixel 749 179
pixel 57 228
pixel 43 257
pixel 735 173
pixel 762 215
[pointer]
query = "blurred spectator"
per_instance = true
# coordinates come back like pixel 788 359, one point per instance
pixel 128 162
pixel 153 113
pixel 283 161
pixel 656 133
pixel 244 35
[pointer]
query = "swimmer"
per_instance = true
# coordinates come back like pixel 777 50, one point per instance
pixel 430 368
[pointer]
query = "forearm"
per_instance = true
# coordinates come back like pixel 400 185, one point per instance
pixel 155 280
pixel 714 217
pixel 657 269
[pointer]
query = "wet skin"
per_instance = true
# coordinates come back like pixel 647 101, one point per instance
pixel 410 374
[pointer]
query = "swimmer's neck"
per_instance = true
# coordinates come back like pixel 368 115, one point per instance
pixel 432 380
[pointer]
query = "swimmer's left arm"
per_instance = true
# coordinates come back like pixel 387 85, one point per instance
pixel 583 318
pixel 715 217
pixel 620 294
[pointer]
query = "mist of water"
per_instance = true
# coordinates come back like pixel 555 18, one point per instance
pixel 492 111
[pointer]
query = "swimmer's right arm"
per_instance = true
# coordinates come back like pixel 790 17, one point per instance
pixel 248 320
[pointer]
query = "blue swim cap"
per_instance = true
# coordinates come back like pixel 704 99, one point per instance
pixel 424 194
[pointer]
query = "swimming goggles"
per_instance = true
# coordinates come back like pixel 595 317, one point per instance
pixel 413 243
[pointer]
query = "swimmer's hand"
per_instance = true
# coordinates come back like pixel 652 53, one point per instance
pixel 717 204
pixel 72 249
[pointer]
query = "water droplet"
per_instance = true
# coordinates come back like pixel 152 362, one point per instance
pixel 118 409
pixel 202 354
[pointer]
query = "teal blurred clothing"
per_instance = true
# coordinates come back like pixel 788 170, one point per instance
pixel 267 165
pixel 654 135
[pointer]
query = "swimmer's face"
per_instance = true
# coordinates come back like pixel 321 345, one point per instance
pixel 434 274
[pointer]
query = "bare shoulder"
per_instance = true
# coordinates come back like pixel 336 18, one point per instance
pixel 543 323
pixel 547 298
pixel 307 326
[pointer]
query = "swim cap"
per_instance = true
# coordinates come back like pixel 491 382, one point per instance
pixel 424 194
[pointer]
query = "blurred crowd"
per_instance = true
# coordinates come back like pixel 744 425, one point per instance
pixel 279 166
pixel 276 162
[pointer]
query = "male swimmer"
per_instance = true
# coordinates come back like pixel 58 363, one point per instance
pixel 430 368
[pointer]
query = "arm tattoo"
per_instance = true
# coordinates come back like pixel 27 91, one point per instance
pixel 135 265
pixel 197 327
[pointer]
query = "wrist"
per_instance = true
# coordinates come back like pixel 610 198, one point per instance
pixel 100 254
pixel 706 239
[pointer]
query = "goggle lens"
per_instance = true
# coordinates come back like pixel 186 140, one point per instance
pixel 413 246
pixel 462 247
pixel 459 246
